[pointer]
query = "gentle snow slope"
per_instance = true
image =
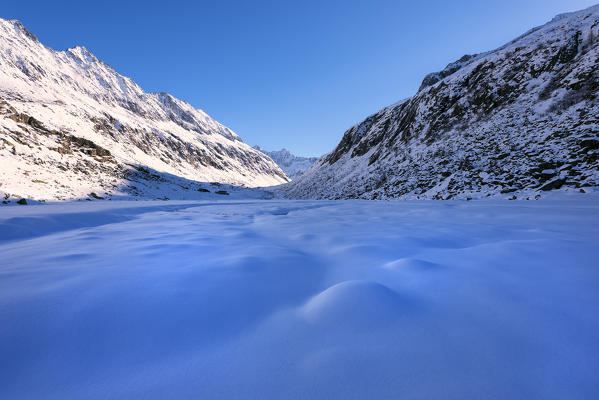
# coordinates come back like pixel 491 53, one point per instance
pixel 249 299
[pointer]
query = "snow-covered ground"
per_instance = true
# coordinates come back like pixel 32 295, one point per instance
pixel 300 299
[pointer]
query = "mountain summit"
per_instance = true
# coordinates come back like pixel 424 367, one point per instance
pixel 294 166
pixel 71 125
pixel 513 122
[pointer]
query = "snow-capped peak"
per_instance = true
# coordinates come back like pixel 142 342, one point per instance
pixel 72 92
pixel 294 166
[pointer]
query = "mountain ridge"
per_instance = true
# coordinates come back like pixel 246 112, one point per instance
pixel 294 166
pixel 510 123
pixel 48 95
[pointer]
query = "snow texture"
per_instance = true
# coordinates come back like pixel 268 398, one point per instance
pixel 524 115
pixel 300 299
pixel 71 125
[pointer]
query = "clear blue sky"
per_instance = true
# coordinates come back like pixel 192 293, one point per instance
pixel 281 73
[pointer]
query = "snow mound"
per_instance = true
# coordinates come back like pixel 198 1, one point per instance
pixel 354 304
pixel 413 264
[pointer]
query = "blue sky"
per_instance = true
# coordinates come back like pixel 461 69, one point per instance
pixel 283 74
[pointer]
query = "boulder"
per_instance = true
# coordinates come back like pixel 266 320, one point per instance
pixel 554 184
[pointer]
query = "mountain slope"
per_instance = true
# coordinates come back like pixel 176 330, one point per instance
pixel 72 122
pixel 294 166
pixel 511 122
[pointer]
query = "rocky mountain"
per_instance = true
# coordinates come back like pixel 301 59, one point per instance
pixel 294 166
pixel 514 122
pixel 70 125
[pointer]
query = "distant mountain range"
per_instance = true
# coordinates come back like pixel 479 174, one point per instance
pixel 510 123
pixel 70 125
pixel 294 166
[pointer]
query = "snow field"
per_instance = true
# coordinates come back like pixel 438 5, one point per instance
pixel 299 299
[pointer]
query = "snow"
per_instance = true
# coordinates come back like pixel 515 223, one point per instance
pixel 494 121
pixel 293 166
pixel 247 299
pixel 73 94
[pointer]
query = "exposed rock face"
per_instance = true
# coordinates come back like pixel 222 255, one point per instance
pixel 435 77
pixel 294 166
pixel 520 119
pixel 70 120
